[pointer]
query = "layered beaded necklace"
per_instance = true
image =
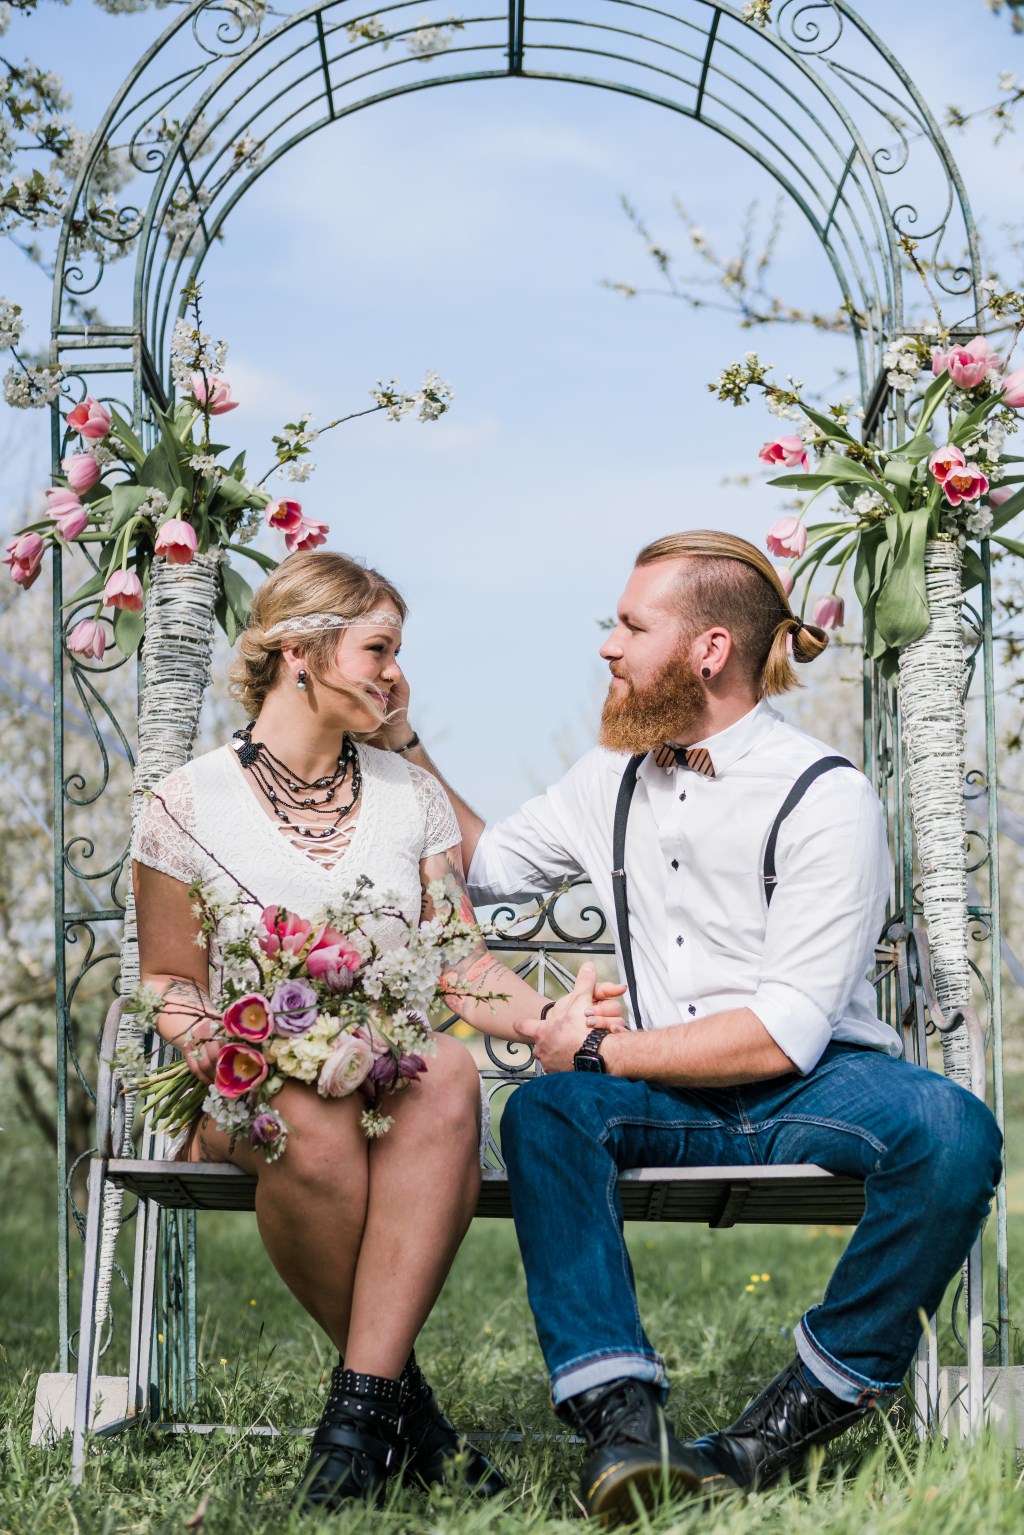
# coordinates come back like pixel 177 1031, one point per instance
pixel 288 792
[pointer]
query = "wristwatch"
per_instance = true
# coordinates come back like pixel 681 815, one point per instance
pixel 588 1056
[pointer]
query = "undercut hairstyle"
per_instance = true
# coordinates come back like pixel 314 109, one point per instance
pixel 727 582
pixel 317 581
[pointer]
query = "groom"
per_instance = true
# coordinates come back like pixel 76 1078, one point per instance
pixel 749 871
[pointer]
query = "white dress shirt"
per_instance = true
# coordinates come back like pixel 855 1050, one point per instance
pixel 704 939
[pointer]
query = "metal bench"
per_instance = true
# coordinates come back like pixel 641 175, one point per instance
pixel 718 1197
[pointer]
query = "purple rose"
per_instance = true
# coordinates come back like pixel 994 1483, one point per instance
pixel 265 1128
pixel 294 1007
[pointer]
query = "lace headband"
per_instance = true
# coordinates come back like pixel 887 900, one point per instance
pixel 315 623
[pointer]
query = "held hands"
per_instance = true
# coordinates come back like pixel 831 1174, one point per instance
pixel 590 1005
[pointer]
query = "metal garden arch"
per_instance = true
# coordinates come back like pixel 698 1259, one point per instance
pixel 815 98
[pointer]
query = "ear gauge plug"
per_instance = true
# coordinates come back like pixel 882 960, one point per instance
pixel 705 671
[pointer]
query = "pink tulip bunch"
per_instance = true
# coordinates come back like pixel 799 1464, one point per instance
pixel 830 612
pixel 25 557
pixel 787 538
pixel 176 540
pixel 239 1069
pixel 966 365
pixel 280 930
pixel 333 960
pixel 67 512
pixel 88 638
pixel 213 394
pixel 960 480
pixel 300 532
pixel 124 590
pixel 82 471
pixel 1013 389
pixel 789 451
pixel 248 1018
pixel 90 419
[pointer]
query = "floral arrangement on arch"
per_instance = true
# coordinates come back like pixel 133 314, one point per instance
pixel 128 505
pixel 307 999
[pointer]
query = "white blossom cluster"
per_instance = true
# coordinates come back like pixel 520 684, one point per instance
pixel 182 218
pixel 903 364
pixel 11 324
pixel 32 385
pixel 247 151
pixel 370 29
pixel 409 1033
pixel 204 463
pixel 229 1114
pixel 5 17
pixel 431 400
pixel 375 1124
pixel 868 501
pixel 154 505
pixel 249 12
pixel 194 351
pixel 759 12
pixel 430 39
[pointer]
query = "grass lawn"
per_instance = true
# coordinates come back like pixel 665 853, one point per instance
pixel 720 1304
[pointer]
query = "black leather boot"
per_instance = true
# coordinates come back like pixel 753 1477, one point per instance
pixel 633 1452
pixel 434 1451
pixel 775 1432
pixel 357 1444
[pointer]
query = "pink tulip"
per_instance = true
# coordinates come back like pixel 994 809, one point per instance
pixel 310 535
pixel 1013 389
pixel 1001 494
pixel 346 1068
pixel 787 538
pixel 88 638
pixel 25 557
pixel 214 394
pixel 176 541
pixel 282 930
pixel 82 471
pixel 67 511
pixel 786 581
pixel 785 450
pixel 944 460
pixel 333 960
pixel 964 484
pixel 90 419
pixel 966 365
pixel 249 1019
pixel 829 612
pixel 239 1070
pixel 285 516
pixel 124 590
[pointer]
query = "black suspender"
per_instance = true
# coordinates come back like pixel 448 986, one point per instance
pixel 768 875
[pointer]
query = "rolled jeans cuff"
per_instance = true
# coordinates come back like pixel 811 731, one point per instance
pixel 838 1378
pixel 593 1370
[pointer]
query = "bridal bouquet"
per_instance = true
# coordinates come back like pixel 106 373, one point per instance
pixel 315 1000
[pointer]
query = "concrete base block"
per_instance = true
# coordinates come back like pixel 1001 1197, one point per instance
pixel 1004 1401
pixel 54 1412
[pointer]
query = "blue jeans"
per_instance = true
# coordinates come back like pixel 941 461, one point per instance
pixel 928 1151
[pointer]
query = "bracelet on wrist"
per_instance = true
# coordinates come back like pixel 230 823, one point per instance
pixel 415 741
pixel 545 1010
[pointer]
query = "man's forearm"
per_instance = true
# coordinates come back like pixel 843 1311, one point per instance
pixel 470 824
pixel 723 1050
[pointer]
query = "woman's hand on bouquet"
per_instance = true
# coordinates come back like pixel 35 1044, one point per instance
pixel 590 1005
pixel 200 1050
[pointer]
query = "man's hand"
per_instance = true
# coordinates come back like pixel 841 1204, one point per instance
pixel 556 1038
pixel 199 1050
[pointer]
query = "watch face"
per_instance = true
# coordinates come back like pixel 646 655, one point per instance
pixel 588 1062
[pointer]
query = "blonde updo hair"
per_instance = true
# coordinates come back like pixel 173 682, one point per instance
pixel 728 581
pixel 318 581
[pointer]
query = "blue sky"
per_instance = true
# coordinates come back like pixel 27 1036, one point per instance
pixel 467 230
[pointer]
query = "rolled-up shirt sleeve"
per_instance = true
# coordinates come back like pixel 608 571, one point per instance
pixel 532 851
pixel 827 911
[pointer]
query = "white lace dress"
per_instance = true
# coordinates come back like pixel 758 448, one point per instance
pixel 203 822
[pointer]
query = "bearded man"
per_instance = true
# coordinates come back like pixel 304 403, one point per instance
pixel 749 871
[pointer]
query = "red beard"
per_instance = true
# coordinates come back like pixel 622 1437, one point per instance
pixel 671 708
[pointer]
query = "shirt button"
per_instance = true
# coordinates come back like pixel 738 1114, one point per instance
pixel 675 863
pixel 679 940
pixel 692 1010
pixel 683 795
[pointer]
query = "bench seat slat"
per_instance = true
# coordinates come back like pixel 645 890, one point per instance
pixel 789 1194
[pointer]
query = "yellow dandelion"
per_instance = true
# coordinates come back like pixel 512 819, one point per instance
pixel 223 1360
pixel 756 1278
pixel 749 1288
pixel 252 1303
pixel 765 1278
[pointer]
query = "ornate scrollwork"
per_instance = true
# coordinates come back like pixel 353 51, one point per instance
pixel 809 26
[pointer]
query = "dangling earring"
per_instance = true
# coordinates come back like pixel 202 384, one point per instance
pixel 300 682
pixel 705 671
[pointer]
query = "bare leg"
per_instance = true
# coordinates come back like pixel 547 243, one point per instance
pixel 311 1204
pixel 424 1179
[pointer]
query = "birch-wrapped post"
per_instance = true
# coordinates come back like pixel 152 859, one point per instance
pixel 932 684
pixel 175 655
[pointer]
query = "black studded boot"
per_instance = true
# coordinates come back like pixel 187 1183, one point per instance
pixel 357 1444
pixel 434 1451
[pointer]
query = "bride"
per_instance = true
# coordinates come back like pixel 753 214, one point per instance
pixel 362 1232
